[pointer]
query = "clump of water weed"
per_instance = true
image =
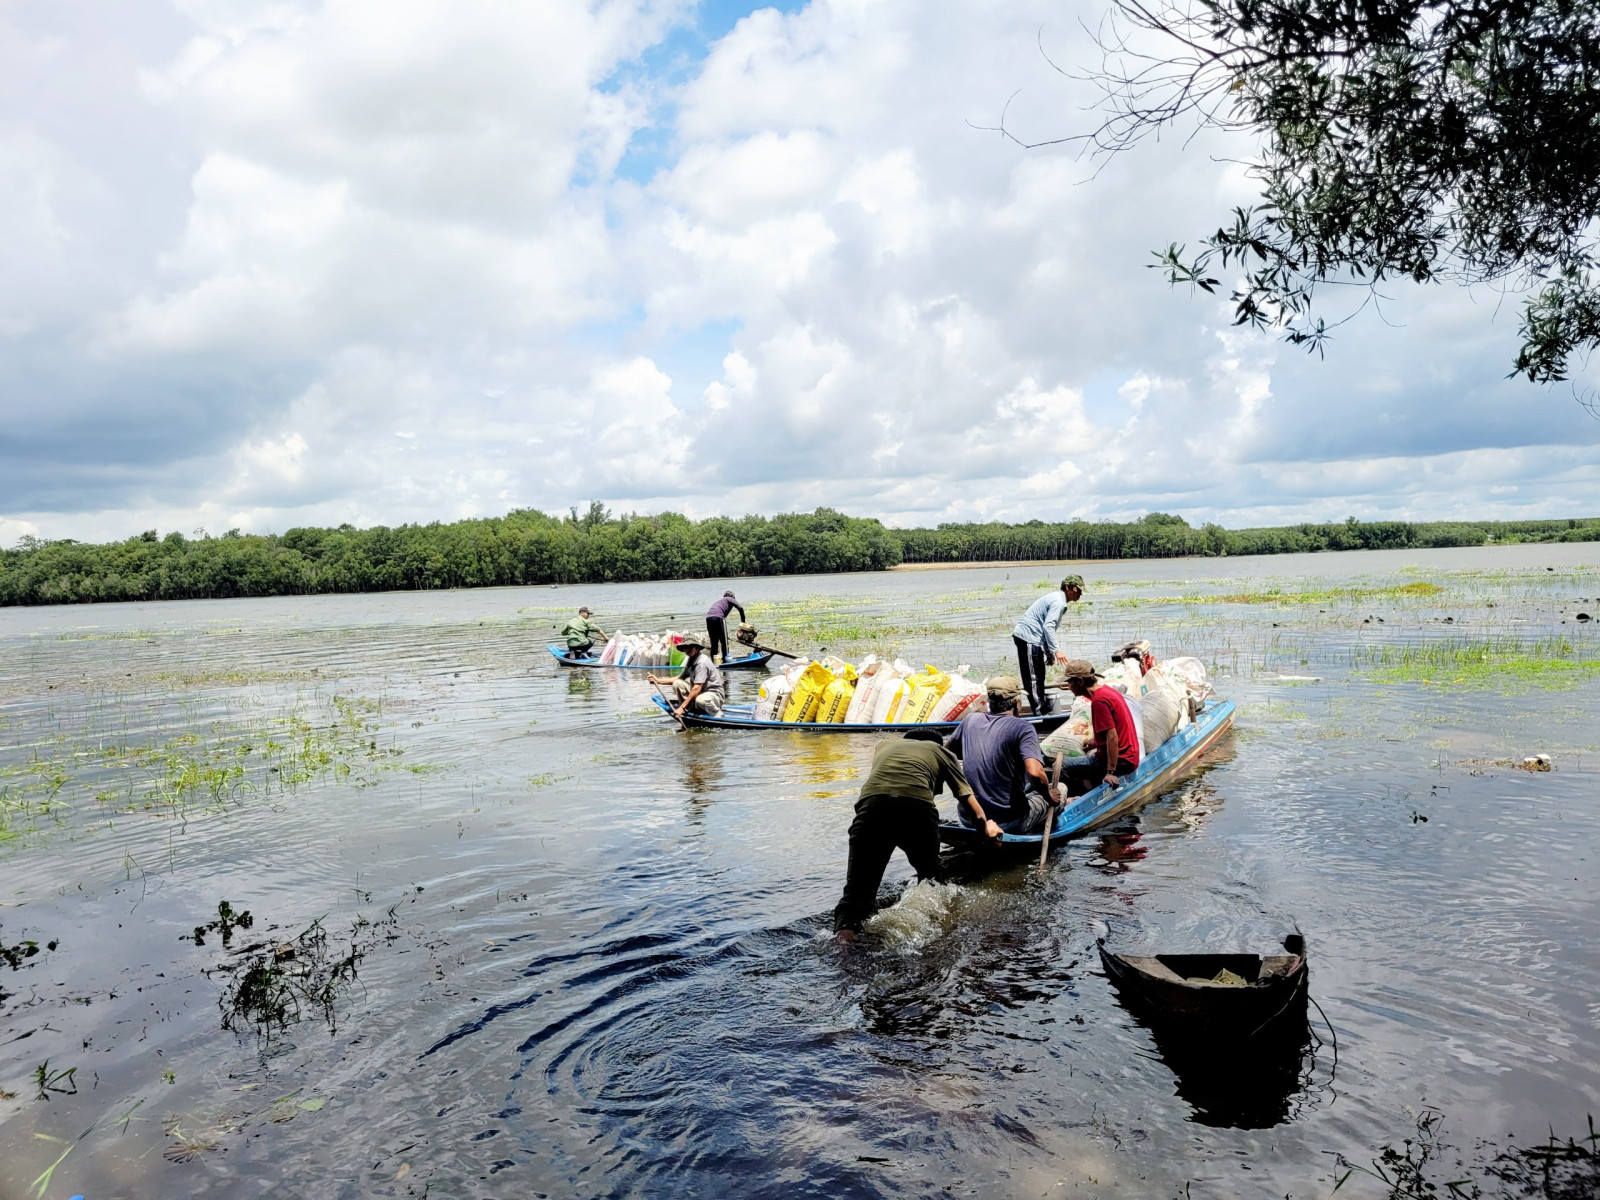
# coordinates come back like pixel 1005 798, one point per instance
pixel 1422 1167
pixel 1506 664
pixel 228 919
pixel 273 985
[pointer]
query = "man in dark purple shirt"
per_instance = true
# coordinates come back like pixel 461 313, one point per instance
pixel 1000 754
pixel 717 624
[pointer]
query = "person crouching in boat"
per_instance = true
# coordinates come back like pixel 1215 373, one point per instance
pixel 699 685
pixel 1000 754
pixel 580 634
pixel 1115 754
pixel 896 809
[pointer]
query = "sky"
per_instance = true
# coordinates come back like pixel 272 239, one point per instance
pixel 268 263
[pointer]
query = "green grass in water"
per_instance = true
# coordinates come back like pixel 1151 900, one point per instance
pixel 1506 664
pixel 1403 591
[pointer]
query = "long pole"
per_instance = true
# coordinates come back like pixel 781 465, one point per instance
pixel 1050 814
pixel 682 724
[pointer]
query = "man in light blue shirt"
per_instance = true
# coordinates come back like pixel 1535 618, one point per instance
pixel 1035 638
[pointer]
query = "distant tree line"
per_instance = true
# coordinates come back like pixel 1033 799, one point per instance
pixel 528 547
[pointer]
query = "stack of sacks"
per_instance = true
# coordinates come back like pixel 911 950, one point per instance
pixel 892 696
pixel 960 698
pixel 775 691
pixel 1072 738
pixel 875 678
pixel 1193 673
pixel 640 649
pixel 928 687
pixel 805 696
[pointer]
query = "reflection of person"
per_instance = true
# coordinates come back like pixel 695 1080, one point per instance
pixel 1115 755
pixel 581 634
pixel 1035 638
pixel 717 624
pixel 896 810
pixel 1000 754
pixel 699 685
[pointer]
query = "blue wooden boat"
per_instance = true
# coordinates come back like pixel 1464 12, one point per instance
pixel 743 716
pixel 1102 805
pixel 746 662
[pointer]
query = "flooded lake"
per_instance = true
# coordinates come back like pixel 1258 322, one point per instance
pixel 493 928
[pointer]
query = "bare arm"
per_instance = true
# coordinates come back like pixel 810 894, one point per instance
pixel 1113 754
pixel 1035 770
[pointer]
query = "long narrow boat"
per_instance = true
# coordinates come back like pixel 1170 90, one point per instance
pixel 1102 805
pixel 745 662
pixel 743 716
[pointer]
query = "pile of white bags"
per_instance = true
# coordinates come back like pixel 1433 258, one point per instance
pixel 640 649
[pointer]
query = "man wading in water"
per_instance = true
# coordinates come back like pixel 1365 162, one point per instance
pixel 1115 754
pixel 699 686
pixel 896 810
pixel 1000 754
pixel 1035 638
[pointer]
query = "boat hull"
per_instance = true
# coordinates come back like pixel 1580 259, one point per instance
pixel 1164 988
pixel 742 716
pixel 1102 805
pixel 746 662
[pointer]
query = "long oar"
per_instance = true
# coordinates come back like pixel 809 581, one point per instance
pixel 682 724
pixel 1050 813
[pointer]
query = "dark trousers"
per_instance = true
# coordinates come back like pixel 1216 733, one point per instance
pixel 1031 668
pixel 584 651
pixel 1080 775
pixel 717 635
pixel 883 823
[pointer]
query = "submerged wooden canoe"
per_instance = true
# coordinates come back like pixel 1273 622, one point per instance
pixel 1102 805
pixel 745 662
pixel 1175 989
pixel 743 716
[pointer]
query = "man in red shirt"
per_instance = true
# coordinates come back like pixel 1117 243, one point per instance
pixel 1116 742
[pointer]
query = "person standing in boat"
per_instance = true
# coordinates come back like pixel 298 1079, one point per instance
pixel 1115 754
pixel 1000 754
pixel 896 809
pixel 717 624
pixel 699 685
pixel 581 634
pixel 1035 639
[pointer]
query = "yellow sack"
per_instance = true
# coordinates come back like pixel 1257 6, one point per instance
pixel 807 695
pixel 836 699
pixel 927 689
pixel 886 709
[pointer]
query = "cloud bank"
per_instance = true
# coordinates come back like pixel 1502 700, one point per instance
pixel 276 262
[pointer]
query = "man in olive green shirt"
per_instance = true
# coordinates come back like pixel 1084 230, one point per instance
pixel 581 634
pixel 896 810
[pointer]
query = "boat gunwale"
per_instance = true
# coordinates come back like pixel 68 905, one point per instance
pixel 723 722
pixel 1221 712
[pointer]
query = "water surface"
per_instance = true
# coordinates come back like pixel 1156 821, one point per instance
pixel 566 950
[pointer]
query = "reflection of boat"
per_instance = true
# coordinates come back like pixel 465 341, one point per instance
pixel 745 662
pixel 743 716
pixel 1236 1047
pixel 1214 994
pixel 1101 805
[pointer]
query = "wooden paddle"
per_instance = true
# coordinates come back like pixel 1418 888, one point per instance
pixel 1050 813
pixel 671 711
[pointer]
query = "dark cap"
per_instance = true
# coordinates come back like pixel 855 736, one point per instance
pixel 1080 668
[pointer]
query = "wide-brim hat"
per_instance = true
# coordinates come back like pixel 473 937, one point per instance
pixel 691 639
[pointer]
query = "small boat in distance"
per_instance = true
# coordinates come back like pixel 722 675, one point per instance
pixel 1102 805
pixel 744 662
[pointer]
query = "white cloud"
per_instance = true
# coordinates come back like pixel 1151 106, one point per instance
pixel 350 260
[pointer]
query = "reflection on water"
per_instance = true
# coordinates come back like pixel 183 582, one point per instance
pixel 618 977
